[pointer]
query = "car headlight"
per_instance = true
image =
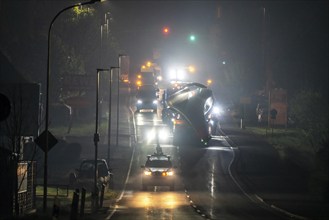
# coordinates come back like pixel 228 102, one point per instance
pixel 139 101
pixel 147 173
pixel 168 173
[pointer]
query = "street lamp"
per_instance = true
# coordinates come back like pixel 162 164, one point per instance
pixel 110 114
pixel 118 98
pixel 45 177
pixel 96 138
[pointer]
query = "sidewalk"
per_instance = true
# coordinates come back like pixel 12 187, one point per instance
pixel 120 156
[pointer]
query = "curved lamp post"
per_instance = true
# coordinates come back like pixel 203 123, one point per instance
pixel 110 114
pixel 45 178
pixel 96 139
pixel 118 99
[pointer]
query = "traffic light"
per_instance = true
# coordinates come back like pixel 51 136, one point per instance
pixel 192 37
pixel 165 30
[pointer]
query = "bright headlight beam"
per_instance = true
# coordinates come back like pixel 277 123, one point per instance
pixel 162 134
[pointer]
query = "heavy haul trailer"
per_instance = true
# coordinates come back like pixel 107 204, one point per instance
pixel 191 106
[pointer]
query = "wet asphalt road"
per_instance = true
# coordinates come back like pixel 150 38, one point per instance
pixel 205 185
pixel 238 176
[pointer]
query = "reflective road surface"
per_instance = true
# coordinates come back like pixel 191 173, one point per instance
pixel 206 186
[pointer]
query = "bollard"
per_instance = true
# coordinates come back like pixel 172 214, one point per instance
pixel 102 196
pixel 242 126
pixel 75 205
pixel 83 200
pixel 56 208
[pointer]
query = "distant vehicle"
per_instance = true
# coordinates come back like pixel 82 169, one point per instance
pixel 124 69
pixel 147 98
pixel 158 171
pixel 192 102
pixel 147 78
pixel 84 176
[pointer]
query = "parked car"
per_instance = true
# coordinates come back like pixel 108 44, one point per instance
pixel 84 176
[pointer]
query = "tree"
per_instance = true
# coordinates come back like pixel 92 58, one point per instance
pixel 78 44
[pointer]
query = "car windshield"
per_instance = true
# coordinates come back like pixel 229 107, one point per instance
pixel 146 94
pixel 158 163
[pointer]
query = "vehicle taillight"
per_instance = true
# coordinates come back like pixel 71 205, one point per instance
pixel 178 122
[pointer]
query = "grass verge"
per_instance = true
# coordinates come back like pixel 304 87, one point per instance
pixel 293 147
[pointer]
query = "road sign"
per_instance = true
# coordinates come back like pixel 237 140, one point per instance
pixel 41 141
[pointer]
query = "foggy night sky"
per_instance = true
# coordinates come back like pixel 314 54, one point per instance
pixel 296 36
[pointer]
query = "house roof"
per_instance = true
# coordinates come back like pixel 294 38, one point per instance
pixel 8 73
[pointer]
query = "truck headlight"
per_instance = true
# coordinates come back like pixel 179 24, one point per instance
pixel 161 133
pixel 217 110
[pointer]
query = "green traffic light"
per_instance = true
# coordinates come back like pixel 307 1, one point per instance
pixel 192 37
